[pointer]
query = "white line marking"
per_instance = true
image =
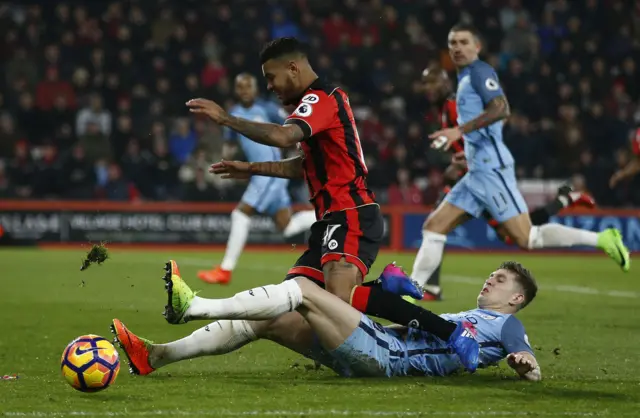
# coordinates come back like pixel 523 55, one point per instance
pixel 556 288
pixel 324 413
pixel 477 281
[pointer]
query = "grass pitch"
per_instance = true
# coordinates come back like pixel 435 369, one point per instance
pixel 583 326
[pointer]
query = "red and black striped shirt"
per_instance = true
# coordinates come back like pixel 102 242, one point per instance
pixel 334 166
pixel 449 119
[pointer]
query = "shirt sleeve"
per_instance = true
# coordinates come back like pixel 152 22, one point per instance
pixel 314 114
pixel 484 81
pixel 513 337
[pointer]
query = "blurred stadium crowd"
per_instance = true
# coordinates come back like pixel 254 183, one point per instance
pixel 92 94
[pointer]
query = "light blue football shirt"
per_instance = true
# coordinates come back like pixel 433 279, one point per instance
pixel 484 148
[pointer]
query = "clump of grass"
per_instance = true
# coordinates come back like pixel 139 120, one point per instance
pixel 98 254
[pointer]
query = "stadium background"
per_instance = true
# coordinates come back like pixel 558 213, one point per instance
pixel 582 325
pixel 92 112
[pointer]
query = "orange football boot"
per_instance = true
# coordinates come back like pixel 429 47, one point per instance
pixel 216 276
pixel 135 348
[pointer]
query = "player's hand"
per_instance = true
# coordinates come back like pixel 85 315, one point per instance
pixel 459 160
pixel 520 363
pixel 209 108
pixel 445 137
pixel 232 169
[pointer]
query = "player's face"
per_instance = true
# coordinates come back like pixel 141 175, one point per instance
pixel 463 48
pixel 434 86
pixel 500 290
pixel 246 90
pixel 280 75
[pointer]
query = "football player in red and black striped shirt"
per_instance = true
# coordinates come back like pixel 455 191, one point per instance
pixel 633 167
pixel 345 240
pixel 438 89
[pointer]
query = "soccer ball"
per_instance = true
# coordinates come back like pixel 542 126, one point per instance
pixel 90 363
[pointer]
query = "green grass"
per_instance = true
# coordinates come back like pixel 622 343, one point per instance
pixel 586 341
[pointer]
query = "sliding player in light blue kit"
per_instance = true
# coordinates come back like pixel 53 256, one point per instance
pixel 336 334
pixel 490 183
pixel 265 195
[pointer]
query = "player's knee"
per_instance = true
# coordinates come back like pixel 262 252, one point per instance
pixel 526 240
pixel 522 242
pixel 307 287
pixel 245 209
pixel 341 277
pixel 278 329
pixel 261 329
pixel 340 289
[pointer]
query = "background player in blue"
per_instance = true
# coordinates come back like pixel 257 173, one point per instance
pixel 341 337
pixel 267 195
pixel 490 184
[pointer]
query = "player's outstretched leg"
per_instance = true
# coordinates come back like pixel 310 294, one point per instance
pixel 271 301
pixel 565 198
pixel 561 236
pixel 217 338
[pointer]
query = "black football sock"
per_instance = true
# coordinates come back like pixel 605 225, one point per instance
pixel 541 215
pixel 372 300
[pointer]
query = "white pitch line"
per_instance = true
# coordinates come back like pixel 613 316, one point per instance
pixel 557 288
pixel 323 413
pixel 476 281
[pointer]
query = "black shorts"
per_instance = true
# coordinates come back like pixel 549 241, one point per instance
pixel 354 234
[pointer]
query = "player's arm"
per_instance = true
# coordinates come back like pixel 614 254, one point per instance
pixel 496 110
pixel 526 365
pixel 290 168
pixel 496 107
pixel 282 136
pixel 520 357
